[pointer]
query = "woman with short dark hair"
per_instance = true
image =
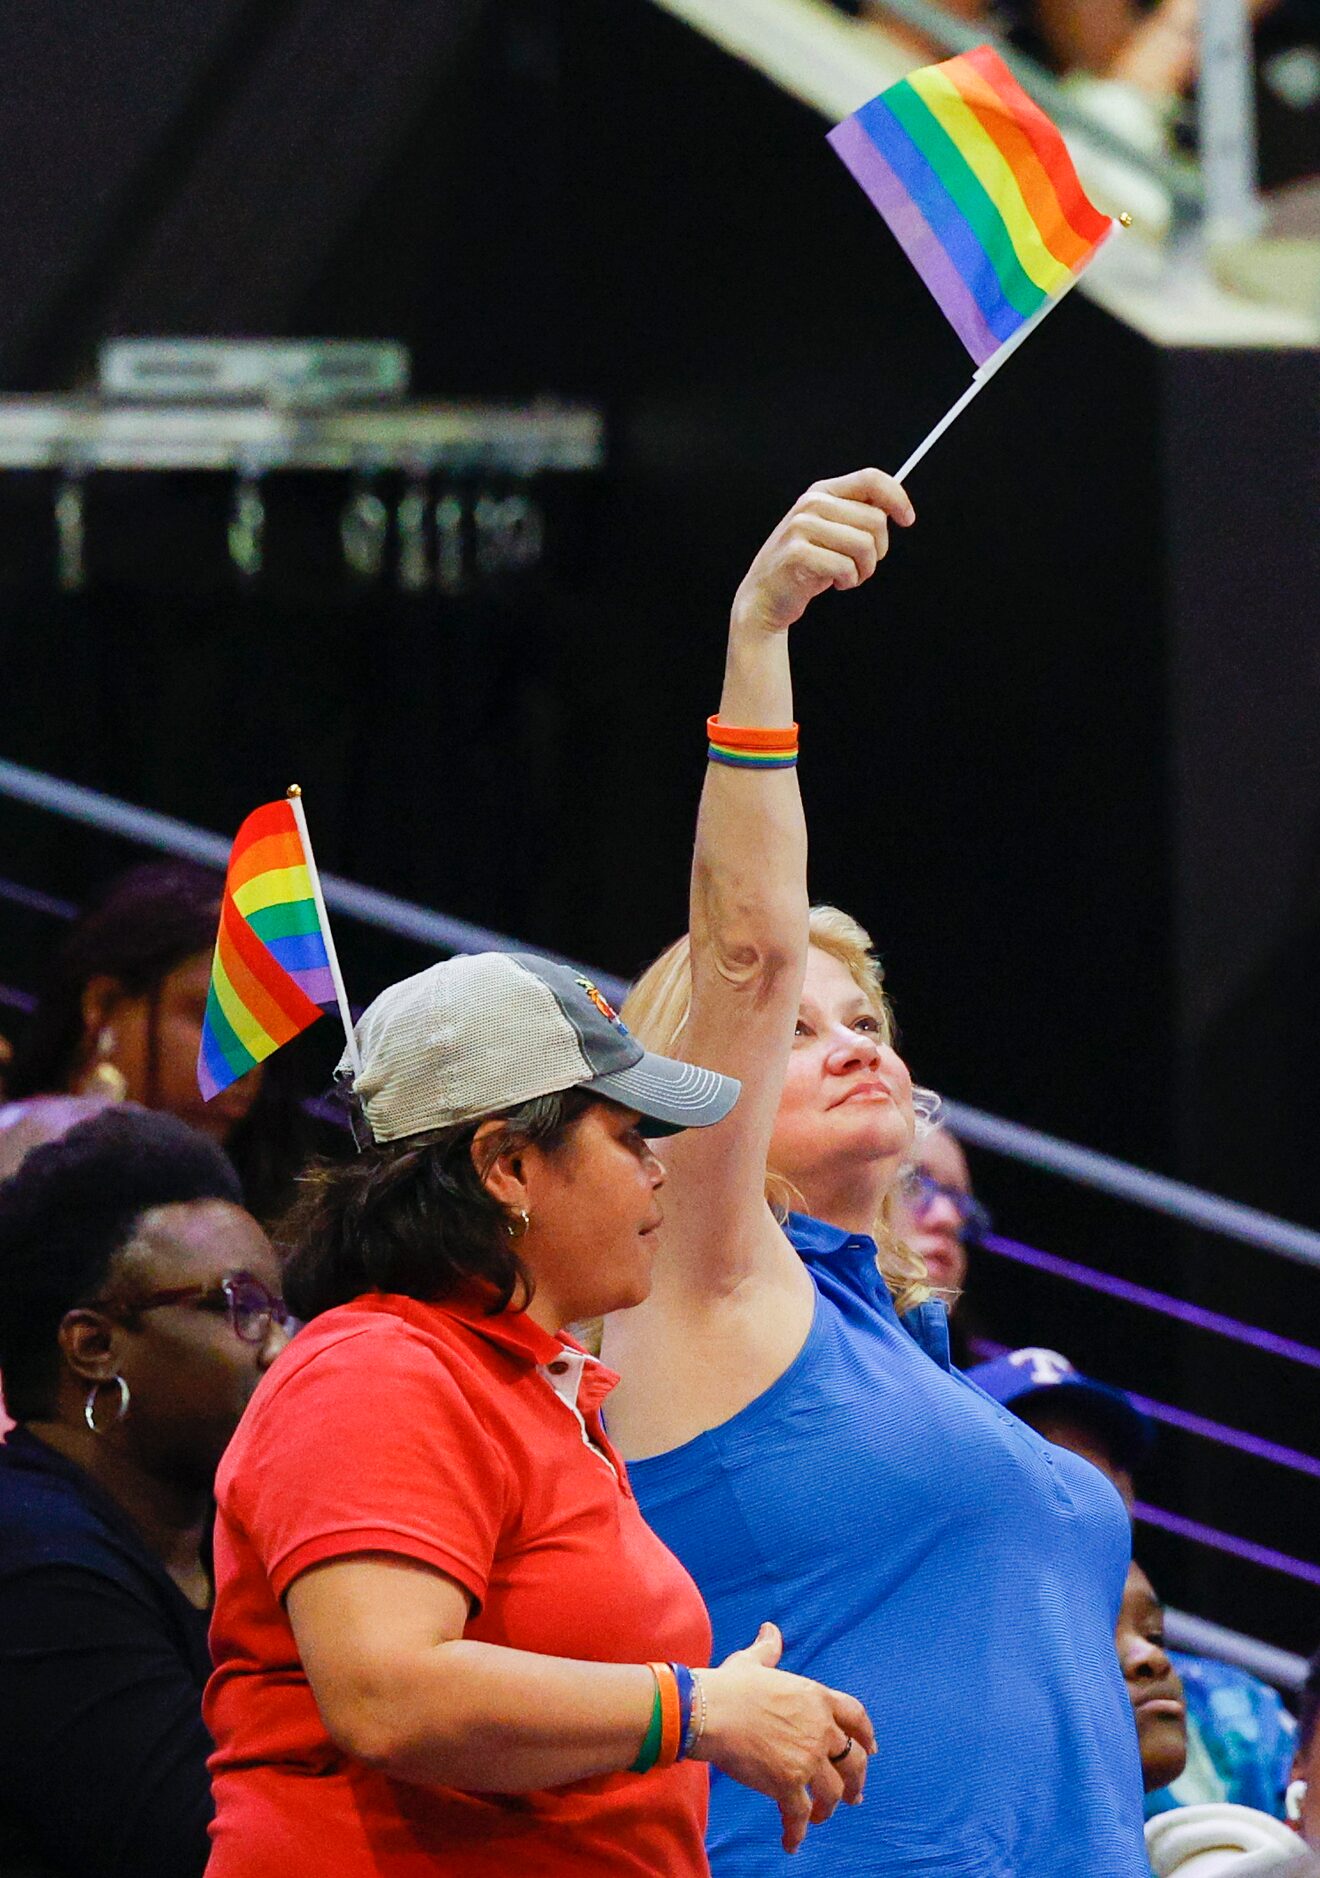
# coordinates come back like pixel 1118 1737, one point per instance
pixel 139 1304
pixel 445 1639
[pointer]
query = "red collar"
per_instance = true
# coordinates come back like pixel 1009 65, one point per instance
pixel 517 1334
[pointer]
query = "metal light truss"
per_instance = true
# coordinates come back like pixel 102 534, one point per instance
pixel 78 434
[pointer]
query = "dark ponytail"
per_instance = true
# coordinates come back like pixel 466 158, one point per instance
pixel 415 1217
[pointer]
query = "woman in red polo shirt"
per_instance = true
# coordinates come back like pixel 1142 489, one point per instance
pixel 445 1639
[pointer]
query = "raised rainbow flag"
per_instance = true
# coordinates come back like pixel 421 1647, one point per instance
pixel 978 186
pixel 271 972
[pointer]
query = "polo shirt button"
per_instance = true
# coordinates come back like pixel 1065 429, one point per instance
pixel 559 1369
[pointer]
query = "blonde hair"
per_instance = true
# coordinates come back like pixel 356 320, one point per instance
pixel 656 1011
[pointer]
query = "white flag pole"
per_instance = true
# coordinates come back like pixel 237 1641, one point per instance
pixel 1227 117
pixel 984 373
pixel 345 1014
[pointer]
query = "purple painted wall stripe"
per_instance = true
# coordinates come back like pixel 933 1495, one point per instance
pixel 1149 1300
pixel 1228 1542
pixel 1201 1425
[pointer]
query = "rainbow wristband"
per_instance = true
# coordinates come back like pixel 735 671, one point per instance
pixel 748 746
pixel 649 1752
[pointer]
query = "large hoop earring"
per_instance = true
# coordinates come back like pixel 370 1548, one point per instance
pixel 89 1406
pixel 105 1078
pixel 519 1226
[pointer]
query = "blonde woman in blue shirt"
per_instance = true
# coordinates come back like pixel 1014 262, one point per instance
pixel 804 1448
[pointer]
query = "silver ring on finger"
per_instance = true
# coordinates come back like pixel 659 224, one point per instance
pixel 837 1760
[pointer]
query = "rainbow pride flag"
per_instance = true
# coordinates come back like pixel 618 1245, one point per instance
pixel 271 972
pixel 978 186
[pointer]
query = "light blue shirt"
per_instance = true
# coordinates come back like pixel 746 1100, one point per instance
pixel 922 1548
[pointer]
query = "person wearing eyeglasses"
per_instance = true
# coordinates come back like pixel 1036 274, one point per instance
pixel 139 1305
pixel 938 1214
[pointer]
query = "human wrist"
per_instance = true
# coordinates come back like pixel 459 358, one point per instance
pixel 752 622
pixel 758 680
pixel 713 1685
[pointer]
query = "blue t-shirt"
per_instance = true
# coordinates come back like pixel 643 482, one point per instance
pixel 922 1548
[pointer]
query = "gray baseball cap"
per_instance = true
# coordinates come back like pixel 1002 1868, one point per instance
pixel 479 1034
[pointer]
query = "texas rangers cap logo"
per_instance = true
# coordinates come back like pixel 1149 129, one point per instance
pixel 1046 1366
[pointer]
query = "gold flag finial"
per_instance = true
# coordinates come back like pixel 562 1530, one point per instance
pixel 293 791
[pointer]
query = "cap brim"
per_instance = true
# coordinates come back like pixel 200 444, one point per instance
pixel 669 1096
pixel 1128 1433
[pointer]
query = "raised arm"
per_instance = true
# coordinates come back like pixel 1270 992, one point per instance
pixel 731 1302
pixel 749 890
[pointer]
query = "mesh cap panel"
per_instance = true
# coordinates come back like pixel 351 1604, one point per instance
pixel 463 1039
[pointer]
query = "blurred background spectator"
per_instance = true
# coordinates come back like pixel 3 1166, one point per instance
pixel 139 1305
pixel 1101 1424
pixel 938 1215
pixel 1240 1736
pixel 1152 1682
pixel 1304 1775
pixel 1133 63
pixel 26 1125
pixel 120 1017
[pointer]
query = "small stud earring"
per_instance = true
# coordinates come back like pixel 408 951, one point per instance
pixel 520 1225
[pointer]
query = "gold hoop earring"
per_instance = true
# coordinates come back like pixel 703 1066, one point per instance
pixel 89 1406
pixel 105 1078
pixel 520 1225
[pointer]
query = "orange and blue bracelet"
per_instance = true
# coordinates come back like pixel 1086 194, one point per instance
pixel 670 1735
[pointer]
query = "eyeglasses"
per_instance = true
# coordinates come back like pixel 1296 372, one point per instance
pixel 252 1306
pixel 920 1190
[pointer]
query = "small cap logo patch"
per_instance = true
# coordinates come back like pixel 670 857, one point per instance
pixel 1046 1366
pixel 603 1005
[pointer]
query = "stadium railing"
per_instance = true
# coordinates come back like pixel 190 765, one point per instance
pixel 1102 1173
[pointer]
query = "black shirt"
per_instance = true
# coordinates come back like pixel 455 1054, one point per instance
pixel 102 1666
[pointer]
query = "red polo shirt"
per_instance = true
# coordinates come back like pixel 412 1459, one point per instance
pixel 443 1435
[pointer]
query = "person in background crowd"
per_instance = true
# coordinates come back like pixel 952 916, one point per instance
pixel 139 1304
pixel 24 1126
pixel 1152 1683
pixel 1302 1799
pixel 30 1124
pixel 1240 1734
pixel 1073 1411
pixel 804 1444
pixel 1132 65
pixel 937 1214
pixel 120 1017
pixel 436 1599
pixel 1222 1841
